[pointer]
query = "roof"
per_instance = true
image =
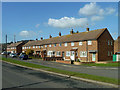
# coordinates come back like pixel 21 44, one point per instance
pixel 90 35
pixel 14 44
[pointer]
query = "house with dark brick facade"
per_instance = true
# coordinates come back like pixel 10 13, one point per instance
pixel 16 47
pixel 117 45
pixel 89 46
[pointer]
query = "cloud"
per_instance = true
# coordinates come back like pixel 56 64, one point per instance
pixel 26 33
pixel 37 25
pixel 68 22
pixel 97 18
pixel 110 10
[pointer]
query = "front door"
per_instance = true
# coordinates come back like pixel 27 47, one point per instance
pixel 93 57
pixel 72 55
pixel 63 56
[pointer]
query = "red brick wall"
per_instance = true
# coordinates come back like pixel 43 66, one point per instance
pixel 103 46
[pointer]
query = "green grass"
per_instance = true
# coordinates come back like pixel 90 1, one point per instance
pixel 102 65
pixel 81 75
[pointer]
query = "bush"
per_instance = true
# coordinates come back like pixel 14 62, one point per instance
pixel 77 60
pixel 29 52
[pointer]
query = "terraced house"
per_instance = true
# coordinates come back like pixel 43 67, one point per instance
pixel 16 47
pixel 92 46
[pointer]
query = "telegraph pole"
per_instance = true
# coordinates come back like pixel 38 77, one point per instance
pixel 14 38
pixel 6 45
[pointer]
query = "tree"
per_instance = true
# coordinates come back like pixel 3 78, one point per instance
pixel 29 52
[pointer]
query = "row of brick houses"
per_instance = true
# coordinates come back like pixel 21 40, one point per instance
pixel 95 45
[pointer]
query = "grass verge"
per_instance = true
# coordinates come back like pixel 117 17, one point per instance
pixel 81 75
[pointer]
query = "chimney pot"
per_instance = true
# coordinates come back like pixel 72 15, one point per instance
pixel 87 29
pixel 71 32
pixel 50 36
pixel 59 33
pixel 41 38
pixel 77 32
pixel 36 39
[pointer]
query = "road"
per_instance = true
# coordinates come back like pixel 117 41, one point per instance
pixel 111 72
pixel 18 77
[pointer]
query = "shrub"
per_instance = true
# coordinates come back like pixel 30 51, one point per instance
pixel 29 52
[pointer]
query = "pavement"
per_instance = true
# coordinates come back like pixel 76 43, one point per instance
pixel 111 72
pixel 18 77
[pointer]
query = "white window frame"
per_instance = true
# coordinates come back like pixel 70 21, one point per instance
pixel 58 53
pixel 72 44
pixel 60 44
pixel 49 45
pixel 45 45
pixel 33 46
pixel 29 47
pixel 80 43
pixel 39 47
pixel 36 47
pixel 83 53
pixel 89 42
pixel 67 53
pixel 65 44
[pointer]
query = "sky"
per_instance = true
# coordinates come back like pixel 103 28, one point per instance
pixel 31 20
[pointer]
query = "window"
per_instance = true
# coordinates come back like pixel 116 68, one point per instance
pixel 65 44
pixel 108 42
pixel 83 54
pixel 25 47
pixel 22 47
pixel 42 46
pixel 58 53
pixel 54 45
pixel 108 53
pixel 89 42
pixel 111 42
pixel 50 45
pixel 111 53
pixel 67 53
pixel 72 43
pixel 33 46
pixel 45 45
pixel 60 44
pixel 80 43
pixel 36 46
pixel 39 46
pixel 29 47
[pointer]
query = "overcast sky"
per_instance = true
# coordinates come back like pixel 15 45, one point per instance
pixel 37 19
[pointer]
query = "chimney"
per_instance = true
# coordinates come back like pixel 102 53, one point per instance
pixel 59 33
pixel 41 38
pixel 71 32
pixel 77 32
pixel 50 36
pixel 36 39
pixel 87 29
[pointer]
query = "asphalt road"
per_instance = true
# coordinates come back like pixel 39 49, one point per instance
pixel 111 72
pixel 18 77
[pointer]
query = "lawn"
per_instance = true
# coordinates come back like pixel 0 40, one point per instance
pixel 81 75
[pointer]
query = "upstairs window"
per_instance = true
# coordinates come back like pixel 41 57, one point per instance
pixel 42 46
pixel 45 45
pixel 36 46
pixel 33 46
pixel 72 43
pixel 108 42
pixel 89 42
pixel 50 45
pixel 60 44
pixel 39 47
pixel 22 47
pixel 29 47
pixel 80 43
pixel 54 45
pixel 111 42
pixel 65 44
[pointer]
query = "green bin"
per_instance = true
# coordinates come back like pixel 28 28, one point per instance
pixel 114 58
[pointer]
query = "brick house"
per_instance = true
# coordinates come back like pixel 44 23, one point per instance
pixel 117 45
pixel 16 47
pixel 91 46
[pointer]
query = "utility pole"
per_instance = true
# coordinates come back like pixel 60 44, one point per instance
pixel 14 38
pixel 6 45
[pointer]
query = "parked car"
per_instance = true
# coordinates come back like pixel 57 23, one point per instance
pixel 23 57
pixel 13 55
pixel 8 53
pixel 4 53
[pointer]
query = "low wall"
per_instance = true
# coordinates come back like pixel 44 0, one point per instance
pixel 61 61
